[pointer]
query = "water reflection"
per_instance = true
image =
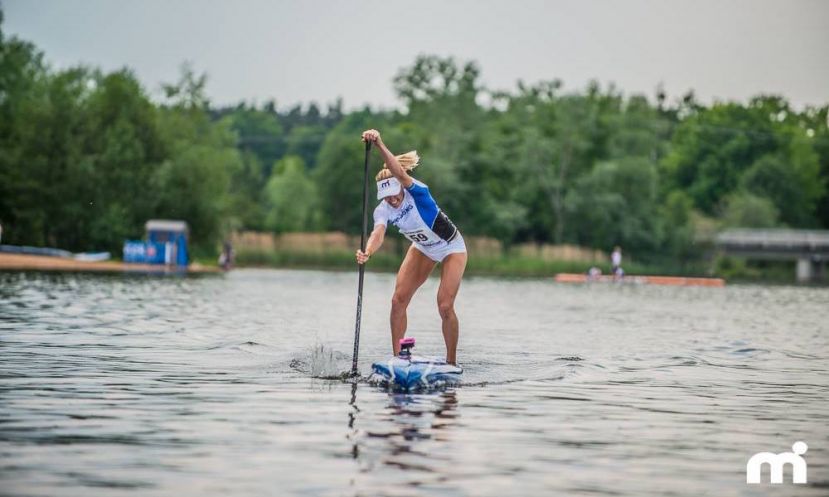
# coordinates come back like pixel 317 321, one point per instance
pixel 409 434
pixel 352 417
pixel 420 416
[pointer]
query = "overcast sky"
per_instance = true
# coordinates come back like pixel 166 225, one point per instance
pixel 302 51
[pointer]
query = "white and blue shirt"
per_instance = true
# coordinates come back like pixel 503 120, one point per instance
pixel 418 218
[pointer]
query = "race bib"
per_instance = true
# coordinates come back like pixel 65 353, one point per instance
pixel 422 237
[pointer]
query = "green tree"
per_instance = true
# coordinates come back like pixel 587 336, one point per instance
pixel 339 171
pixel 794 195
pixel 490 187
pixel 292 198
pixel 814 122
pixel 554 141
pixel 637 129
pixel 305 142
pixel 617 205
pixel 679 228
pixel 84 146
pixel 125 149
pixel 193 183
pixel 245 202
pixel 713 147
pixel 23 104
pixel 443 121
pixel 260 133
pixel 745 210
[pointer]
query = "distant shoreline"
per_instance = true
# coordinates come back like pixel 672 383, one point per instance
pixel 24 262
pixel 507 266
pixel 515 266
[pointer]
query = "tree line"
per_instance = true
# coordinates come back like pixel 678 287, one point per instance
pixel 87 156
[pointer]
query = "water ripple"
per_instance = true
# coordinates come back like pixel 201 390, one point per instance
pixel 234 385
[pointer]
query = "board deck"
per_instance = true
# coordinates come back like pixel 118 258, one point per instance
pixel 416 372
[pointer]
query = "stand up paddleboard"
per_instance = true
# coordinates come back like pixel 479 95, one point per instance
pixel 410 372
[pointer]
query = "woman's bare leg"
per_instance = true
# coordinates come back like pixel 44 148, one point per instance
pixel 451 273
pixel 413 272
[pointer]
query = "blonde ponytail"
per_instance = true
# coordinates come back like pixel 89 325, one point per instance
pixel 408 161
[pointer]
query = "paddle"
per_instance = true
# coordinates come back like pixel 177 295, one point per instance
pixel 362 267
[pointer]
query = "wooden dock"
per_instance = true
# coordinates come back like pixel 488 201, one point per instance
pixel 644 280
pixel 25 262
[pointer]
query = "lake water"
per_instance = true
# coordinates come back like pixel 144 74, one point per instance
pixel 170 386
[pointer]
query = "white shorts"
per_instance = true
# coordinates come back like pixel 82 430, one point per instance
pixel 439 251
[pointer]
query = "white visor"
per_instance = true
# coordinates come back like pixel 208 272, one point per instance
pixel 387 188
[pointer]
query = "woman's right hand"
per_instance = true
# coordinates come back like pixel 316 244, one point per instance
pixel 362 257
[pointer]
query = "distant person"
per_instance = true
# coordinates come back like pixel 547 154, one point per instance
pixel 408 204
pixel 227 256
pixel 616 262
pixel 594 273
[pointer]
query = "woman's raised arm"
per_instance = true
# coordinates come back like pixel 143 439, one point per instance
pixel 373 136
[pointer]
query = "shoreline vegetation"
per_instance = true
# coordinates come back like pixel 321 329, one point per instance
pixel 505 266
pixel 535 173
pixel 510 265
pixel 335 251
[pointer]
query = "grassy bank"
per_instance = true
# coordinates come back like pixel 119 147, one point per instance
pixel 507 266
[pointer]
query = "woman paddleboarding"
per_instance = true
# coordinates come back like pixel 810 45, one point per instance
pixel 407 203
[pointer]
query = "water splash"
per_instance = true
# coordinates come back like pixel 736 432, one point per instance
pixel 323 362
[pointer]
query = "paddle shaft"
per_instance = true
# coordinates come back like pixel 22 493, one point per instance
pixel 361 267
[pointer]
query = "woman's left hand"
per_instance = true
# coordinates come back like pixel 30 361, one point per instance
pixel 371 136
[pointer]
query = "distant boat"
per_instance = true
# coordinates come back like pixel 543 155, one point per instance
pixel 92 256
pixel 642 280
pixel 53 252
pixel 43 251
